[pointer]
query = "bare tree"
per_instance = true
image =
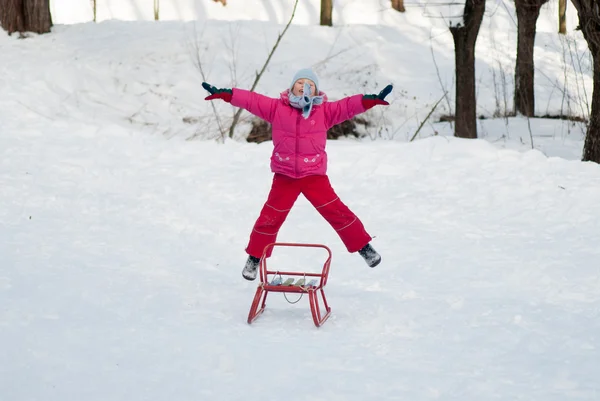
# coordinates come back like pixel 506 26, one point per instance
pixel 326 12
pixel 589 22
pixel 562 16
pixel 94 8
pixel 528 12
pixel 11 16
pixel 398 5
pixel 25 16
pixel 465 35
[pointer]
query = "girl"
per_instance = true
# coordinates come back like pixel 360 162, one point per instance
pixel 300 118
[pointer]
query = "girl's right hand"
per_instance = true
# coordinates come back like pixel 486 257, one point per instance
pixel 216 93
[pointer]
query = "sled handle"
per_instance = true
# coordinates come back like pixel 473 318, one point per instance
pixel 324 273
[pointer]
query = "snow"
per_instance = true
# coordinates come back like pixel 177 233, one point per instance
pixel 122 241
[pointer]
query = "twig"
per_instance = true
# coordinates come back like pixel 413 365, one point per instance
pixel 437 70
pixel 582 98
pixel 236 117
pixel 404 123
pixel 198 64
pixel 330 55
pixel 565 75
pixel 530 133
pixel 35 111
pixel 428 115
pixel 232 47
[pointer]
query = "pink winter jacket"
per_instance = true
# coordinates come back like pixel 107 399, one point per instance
pixel 298 143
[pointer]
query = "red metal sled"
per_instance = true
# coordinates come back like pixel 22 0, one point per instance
pixel 267 276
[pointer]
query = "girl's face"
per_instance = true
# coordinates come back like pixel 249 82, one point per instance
pixel 298 88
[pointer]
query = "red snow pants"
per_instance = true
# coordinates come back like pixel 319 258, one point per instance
pixel 317 189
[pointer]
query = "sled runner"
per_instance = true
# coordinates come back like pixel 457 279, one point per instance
pixel 300 283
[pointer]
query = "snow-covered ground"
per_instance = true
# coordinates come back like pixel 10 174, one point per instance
pixel 122 243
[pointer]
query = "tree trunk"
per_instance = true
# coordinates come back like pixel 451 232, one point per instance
pixel 25 16
pixel 588 12
pixel 326 12
pixel 398 5
pixel 528 12
pixel 95 8
pixel 37 16
pixel 591 146
pixel 562 16
pixel 11 16
pixel 465 37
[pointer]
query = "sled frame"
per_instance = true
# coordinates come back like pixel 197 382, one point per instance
pixel 319 307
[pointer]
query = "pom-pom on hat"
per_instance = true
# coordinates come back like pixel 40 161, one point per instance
pixel 306 73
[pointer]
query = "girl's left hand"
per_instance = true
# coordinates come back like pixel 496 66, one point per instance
pixel 369 101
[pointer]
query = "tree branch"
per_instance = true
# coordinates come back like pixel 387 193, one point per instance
pixel 427 118
pixel 236 117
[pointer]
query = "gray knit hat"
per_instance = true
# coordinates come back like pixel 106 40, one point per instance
pixel 308 74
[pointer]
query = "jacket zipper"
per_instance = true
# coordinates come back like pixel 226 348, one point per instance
pixel 297 144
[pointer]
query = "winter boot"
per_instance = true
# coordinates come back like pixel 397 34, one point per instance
pixel 370 255
pixel 251 268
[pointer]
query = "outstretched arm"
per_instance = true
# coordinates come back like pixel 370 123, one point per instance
pixel 257 104
pixel 344 109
